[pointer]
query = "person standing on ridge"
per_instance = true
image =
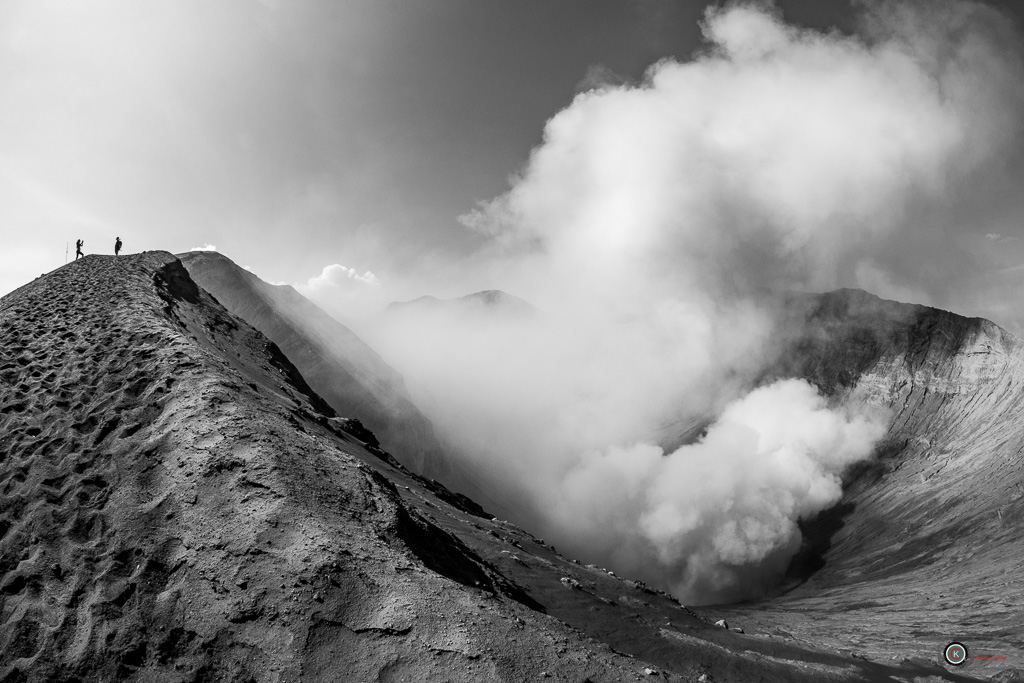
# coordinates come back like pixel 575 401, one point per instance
pixel 117 246
pixel 78 249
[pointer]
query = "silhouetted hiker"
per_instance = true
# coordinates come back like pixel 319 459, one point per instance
pixel 78 249
pixel 117 246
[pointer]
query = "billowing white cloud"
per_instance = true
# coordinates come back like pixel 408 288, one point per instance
pixel 205 247
pixel 708 513
pixel 343 290
pixel 339 276
pixel 782 152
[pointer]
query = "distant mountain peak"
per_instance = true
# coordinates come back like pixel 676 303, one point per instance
pixel 489 299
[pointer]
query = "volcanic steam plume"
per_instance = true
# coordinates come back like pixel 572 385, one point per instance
pixel 654 229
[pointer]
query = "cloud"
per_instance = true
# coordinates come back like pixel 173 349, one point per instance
pixel 338 276
pixel 1002 239
pixel 205 247
pixel 708 513
pixel 654 227
pixel 344 291
pixel 598 77
pixel 778 145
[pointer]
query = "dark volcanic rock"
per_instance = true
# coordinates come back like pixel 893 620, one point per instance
pixel 843 335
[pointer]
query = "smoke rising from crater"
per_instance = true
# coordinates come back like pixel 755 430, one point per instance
pixel 653 228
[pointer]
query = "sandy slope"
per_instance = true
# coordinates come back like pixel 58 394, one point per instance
pixel 172 511
pixel 177 505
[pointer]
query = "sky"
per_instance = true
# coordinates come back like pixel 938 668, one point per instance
pixel 340 146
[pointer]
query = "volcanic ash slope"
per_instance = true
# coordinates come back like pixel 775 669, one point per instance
pixel 176 507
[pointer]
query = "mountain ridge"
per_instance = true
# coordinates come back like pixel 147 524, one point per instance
pixel 171 541
pixel 487 299
pixel 179 505
pixel 350 375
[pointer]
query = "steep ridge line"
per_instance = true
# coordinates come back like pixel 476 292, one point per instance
pixel 349 375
